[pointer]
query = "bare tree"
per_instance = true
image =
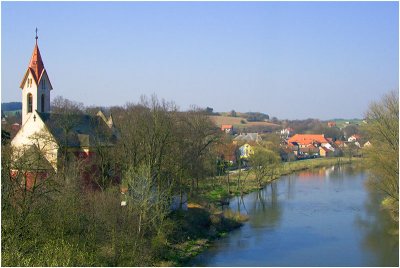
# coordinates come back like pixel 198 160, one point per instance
pixel 62 105
pixel 265 164
pixel 383 156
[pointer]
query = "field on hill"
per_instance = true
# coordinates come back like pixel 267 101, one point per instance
pixel 341 123
pixel 237 122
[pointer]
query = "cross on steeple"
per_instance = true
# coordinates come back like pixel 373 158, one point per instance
pixel 36 37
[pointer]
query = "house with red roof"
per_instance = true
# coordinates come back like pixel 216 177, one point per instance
pixel 340 144
pixel 227 152
pixel 227 129
pixel 331 124
pixel 325 152
pixel 303 140
pixel 312 144
pixel 354 138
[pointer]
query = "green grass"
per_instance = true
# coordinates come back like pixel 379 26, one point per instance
pixel 217 194
pixel 341 123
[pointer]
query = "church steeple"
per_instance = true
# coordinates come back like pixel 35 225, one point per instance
pixel 36 63
pixel 35 86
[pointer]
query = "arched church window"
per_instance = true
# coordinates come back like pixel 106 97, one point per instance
pixel 29 103
pixel 44 84
pixel 42 103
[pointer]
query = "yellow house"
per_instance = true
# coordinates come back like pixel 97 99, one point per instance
pixel 245 151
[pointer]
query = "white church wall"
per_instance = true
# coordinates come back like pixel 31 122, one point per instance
pixel 32 89
pixel 34 132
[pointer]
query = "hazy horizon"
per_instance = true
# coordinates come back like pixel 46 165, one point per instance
pixel 291 60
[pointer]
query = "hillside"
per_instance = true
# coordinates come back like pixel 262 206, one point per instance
pixel 341 123
pixel 239 122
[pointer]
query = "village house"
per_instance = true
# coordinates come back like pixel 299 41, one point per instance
pixel 246 151
pixel 309 150
pixel 15 127
pixel 340 144
pixel 311 145
pixel 227 129
pixel 55 135
pixel 286 133
pixel 227 152
pixel 325 152
pixel 367 144
pixel 354 138
pixel 331 124
pixel 304 140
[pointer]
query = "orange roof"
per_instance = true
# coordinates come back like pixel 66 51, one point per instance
pixel 308 138
pixel 36 63
pixel 226 127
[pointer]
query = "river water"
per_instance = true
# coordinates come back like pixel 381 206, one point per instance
pixel 326 217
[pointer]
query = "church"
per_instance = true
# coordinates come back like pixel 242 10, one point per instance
pixel 54 135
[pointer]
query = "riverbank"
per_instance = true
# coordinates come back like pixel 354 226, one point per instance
pixel 292 167
pixel 205 221
pixel 218 190
pixel 195 229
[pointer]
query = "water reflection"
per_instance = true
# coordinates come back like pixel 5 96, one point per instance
pixel 378 231
pixel 291 184
pixel 265 208
pixel 321 218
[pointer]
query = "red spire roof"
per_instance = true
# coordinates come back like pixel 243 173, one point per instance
pixel 36 67
pixel 36 64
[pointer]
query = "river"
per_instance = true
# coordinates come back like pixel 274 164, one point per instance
pixel 326 217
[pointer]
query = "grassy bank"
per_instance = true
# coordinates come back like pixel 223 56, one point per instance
pixel 216 190
pixel 291 167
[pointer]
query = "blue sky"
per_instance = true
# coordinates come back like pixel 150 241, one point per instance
pixel 292 60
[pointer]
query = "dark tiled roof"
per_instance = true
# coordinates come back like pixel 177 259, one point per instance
pixel 78 130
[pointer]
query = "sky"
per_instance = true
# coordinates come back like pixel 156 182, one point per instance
pixel 292 60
